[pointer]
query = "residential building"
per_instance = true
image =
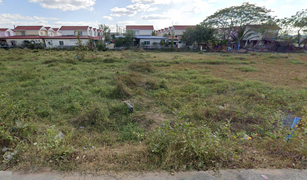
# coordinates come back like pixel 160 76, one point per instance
pixel 31 31
pixel 15 41
pixel 141 30
pixel 66 41
pixel 74 30
pixel 57 32
pixel 5 32
pixel 179 29
pixel 50 31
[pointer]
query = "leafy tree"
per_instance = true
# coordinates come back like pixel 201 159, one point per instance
pixel 298 22
pixel 91 44
pixel 200 34
pixel 129 38
pixel 119 42
pixel 101 46
pixel 106 32
pixel 81 49
pixel 246 14
pixel 153 33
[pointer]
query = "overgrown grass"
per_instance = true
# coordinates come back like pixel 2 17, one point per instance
pixel 191 111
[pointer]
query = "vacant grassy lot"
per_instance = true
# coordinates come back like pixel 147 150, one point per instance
pixel 191 111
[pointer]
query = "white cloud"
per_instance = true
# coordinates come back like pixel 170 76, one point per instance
pixel 0 1
pixel 79 23
pixel 66 5
pixel 153 17
pixel 130 10
pixel 8 20
pixel 126 22
pixel 107 17
pixel 152 9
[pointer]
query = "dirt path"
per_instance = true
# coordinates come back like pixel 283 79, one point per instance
pixel 285 174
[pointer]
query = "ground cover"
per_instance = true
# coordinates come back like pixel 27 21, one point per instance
pixel 191 110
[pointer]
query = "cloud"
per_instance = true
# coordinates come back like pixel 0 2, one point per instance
pixel 152 9
pixel 79 23
pixel 130 10
pixel 107 17
pixel 66 5
pixel 126 22
pixel 153 17
pixel 0 1
pixel 8 20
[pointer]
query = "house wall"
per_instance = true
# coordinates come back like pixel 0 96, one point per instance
pixel 53 43
pixel 51 33
pixel 58 33
pixel 19 42
pixel 179 32
pixel 7 33
pixel 33 33
pixel 151 41
pixel 142 32
pixel 2 33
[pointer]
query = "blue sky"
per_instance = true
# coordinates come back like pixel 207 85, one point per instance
pixel 160 13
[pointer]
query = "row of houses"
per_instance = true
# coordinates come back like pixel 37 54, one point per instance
pixel 65 36
pixel 146 35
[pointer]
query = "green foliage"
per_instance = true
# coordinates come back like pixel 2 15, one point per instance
pixel 90 44
pixel 129 38
pixel 101 46
pixel 81 49
pixel 119 42
pixel 106 32
pixel 183 142
pixel 131 132
pixel 199 34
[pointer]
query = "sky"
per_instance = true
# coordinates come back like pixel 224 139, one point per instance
pixel 160 13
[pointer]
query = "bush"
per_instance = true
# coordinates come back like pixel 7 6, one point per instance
pixel 101 46
pixel 182 142
pixel 143 67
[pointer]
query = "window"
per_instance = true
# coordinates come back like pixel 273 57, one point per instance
pixel 23 33
pixel 76 33
pixel 147 42
pixel 61 43
pixel 42 33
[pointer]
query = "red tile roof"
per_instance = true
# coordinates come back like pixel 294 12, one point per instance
pixel 184 27
pixel 55 29
pixel 63 28
pixel 69 37
pixel 4 29
pixel 140 27
pixel 33 28
pixel 22 37
pixel 49 37
pixel 94 29
pixel 47 28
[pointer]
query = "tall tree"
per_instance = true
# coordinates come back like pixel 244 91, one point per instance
pixel 200 34
pixel 299 23
pixel 106 32
pixel 246 14
pixel 129 38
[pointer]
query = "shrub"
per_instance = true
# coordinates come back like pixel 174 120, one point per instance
pixel 183 142
pixel 144 67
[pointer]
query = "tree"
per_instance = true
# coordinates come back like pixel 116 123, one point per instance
pixel 106 32
pixel 129 38
pixel 153 33
pixel 299 22
pixel 81 49
pixel 200 34
pixel 246 14
pixel 91 44
pixel 119 42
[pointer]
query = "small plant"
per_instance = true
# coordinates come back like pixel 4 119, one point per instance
pixel 81 49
